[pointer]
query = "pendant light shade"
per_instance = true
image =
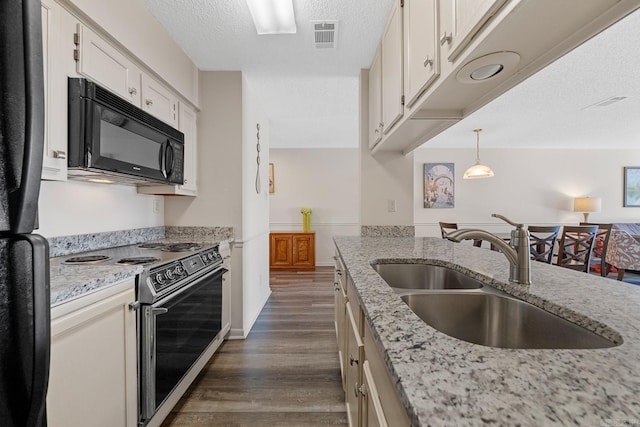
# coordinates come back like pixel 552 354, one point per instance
pixel 478 170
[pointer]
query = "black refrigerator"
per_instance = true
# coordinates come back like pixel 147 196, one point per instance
pixel 24 257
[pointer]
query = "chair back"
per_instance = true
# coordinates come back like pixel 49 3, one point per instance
pixel 542 242
pixel 576 246
pixel 600 246
pixel 446 227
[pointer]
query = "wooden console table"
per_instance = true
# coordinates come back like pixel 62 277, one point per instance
pixel 292 251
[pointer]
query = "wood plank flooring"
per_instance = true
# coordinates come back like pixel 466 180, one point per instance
pixel 286 373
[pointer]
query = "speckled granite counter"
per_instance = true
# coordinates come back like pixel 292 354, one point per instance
pixel 443 381
pixel 69 282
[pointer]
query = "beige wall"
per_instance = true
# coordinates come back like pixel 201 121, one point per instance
pixel 530 185
pixel 384 177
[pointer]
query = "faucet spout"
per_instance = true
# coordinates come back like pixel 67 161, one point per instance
pixel 516 252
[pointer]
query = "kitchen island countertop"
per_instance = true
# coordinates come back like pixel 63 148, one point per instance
pixel 444 381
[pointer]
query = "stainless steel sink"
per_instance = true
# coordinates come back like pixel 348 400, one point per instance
pixel 500 321
pixel 424 276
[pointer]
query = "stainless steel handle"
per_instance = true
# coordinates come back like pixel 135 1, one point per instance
pixel 148 102
pixel 59 154
pixel 445 38
pixel 156 311
pixel 133 306
pixel 355 389
pixel 133 91
pixel 428 62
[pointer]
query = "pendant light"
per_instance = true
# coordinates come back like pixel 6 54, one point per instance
pixel 478 170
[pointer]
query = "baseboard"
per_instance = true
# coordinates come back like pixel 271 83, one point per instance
pixel 240 334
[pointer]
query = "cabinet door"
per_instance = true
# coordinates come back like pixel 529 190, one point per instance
pixel 462 19
pixel 421 47
pixel 340 301
pixel 354 356
pixel 101 62
pixel 93 375
pixel 372 413
pixel 159 101
pixel 375 100
pixel 188 126
pixel 304 254
pixel 58 28
pixel 392 99
pixel 280 250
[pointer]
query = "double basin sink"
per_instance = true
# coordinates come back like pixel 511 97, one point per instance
pixel 465 308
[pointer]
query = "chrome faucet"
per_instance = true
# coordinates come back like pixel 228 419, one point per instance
pixel 517 250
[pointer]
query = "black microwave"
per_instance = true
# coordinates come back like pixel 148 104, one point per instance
pixel 110 138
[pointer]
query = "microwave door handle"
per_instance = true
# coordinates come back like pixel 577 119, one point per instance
pixel 168 159
pixel 163 155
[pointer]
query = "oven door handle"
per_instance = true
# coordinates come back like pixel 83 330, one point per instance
pixel 157 311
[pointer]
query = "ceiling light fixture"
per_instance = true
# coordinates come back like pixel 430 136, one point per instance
pixel 273 16
pixel 478 170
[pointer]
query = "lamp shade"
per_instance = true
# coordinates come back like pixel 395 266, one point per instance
pixel 587 204
pixel 478 171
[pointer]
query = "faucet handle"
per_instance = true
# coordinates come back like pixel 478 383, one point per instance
pixel 507 220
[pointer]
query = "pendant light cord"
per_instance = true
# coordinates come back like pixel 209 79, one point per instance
pixel 477 131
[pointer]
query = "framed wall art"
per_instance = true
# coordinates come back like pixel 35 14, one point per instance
pixel 631 187
pixel 439 185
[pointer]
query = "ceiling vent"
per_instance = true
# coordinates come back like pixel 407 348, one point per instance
pixel 325 34
pixel 605 102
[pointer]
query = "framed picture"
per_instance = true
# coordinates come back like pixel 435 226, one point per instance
pixel 631 187
pixel 272 186
pixel 439 185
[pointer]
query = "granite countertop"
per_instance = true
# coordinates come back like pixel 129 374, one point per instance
pixel 68 282
pixel 443 381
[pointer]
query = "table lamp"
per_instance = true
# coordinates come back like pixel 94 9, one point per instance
pixel 587 205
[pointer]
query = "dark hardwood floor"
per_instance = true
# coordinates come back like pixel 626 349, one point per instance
pixel 286 373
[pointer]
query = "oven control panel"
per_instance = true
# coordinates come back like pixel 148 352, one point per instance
pixel 169 274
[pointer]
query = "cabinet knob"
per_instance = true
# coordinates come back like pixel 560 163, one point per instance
pixel 377 131
pixel 356 389
pixel 353 361
pixel 445 38
pixel 133 90
pixel 428 62
pixel 186 180
pixel 148 102
pixel 59 154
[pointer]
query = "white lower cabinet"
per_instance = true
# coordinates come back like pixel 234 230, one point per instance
pixel 370 395
pixel 93 371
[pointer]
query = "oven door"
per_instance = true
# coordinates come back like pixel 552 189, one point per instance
pixel 175 332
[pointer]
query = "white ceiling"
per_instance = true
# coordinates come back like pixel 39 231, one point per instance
pixel 311 95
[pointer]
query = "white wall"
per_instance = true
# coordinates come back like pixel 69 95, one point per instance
pixel 325 180
pixel 76 207
pixel 530 186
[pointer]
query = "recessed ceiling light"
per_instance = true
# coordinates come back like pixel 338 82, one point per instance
pixel 488 67
pixel 273 16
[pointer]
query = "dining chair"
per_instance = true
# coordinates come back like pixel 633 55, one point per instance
pixel 600 247
pixel 542 242
pixel 447 227
pixel 576 246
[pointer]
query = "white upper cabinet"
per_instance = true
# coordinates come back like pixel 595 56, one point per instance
pixel 101 62
pixel 375 100
pixel 58 28
pixel 392 92
pixel 463 19
pixel 159 101
pixel 421 47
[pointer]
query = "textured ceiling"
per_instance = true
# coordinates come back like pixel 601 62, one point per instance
pixel 311 96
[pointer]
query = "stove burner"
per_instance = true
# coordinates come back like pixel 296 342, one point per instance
pixel 138 260
pixel 87 259
pixel 181 247
pixel 152 245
